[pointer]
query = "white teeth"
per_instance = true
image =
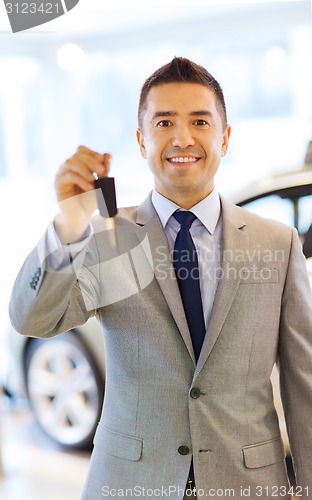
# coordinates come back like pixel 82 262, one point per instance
pixel 182 159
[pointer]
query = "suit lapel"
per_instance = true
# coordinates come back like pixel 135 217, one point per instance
pixel 234 245
pixel 148 223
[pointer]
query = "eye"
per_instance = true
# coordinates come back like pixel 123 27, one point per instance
pixel 164 123
pixel 201 123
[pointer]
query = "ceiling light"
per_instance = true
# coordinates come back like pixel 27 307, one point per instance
pixel 71 57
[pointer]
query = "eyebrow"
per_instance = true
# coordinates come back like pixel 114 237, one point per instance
pixel 201 112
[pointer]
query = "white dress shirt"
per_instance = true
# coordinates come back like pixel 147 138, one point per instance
pixel 206 232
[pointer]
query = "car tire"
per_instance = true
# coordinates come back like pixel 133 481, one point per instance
pixel 64 388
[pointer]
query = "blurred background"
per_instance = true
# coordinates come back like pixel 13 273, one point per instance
pixel 76 80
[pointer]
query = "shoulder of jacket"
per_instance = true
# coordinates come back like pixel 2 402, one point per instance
pixel 252 219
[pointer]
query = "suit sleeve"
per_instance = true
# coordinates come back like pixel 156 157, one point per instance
pixel 295 361
pixel 47 298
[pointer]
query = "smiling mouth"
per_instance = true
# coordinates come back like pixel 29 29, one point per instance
pixel 183 159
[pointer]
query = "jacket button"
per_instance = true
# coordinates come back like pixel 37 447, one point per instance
pixel 38 273
pixel 183 450
pixel 195 393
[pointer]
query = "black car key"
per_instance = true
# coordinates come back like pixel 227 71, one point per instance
pixel 106 196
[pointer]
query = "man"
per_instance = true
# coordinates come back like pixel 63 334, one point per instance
pixel 187 395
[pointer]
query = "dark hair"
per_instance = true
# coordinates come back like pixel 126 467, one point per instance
pixel 182 70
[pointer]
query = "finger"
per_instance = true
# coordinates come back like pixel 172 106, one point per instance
pixel 83 150
pixel 89 152
pixel 79 171
pixel 85 166
pixel 107 158
pixel 68 180
pixel 96 163
pixel 80 167
pixel 96 157
pixel 86 162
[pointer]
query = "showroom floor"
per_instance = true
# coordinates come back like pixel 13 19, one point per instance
pixel 33 469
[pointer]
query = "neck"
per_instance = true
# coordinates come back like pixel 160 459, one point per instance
pixel 185 201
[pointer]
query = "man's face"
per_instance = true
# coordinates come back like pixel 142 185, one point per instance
pixel 183 139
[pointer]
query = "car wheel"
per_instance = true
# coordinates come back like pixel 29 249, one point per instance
pixel 64 388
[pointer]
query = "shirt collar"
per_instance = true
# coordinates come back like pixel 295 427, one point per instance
pixel 207 211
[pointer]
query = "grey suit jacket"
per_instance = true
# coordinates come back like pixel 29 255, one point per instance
pixel 160 409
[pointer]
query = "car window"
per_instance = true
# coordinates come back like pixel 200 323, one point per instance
pixel 273 207
pixel 305 213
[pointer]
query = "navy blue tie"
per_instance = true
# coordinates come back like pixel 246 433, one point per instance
pixel 185 262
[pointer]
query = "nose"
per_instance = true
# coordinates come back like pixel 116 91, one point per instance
pixel 182 137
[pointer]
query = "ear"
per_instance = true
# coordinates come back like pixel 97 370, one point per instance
pixel 140 140
pixel 225 141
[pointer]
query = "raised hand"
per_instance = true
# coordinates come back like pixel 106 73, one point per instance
pixel 74 186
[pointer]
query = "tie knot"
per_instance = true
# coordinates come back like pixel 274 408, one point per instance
pixel 185 218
